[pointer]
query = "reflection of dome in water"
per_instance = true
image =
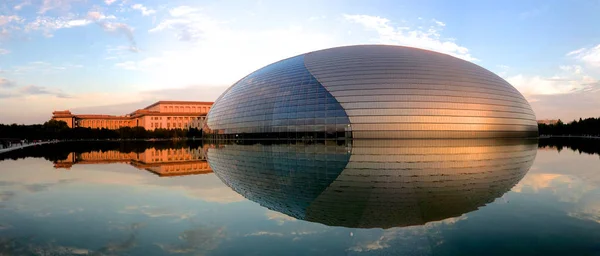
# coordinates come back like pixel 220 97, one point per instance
pixel 380 184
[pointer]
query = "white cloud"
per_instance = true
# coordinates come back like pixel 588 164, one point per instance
pixel 188 23
pixel 98 16
pixel 109 2
pixel 571 79
pixel 439 23
pixel 145 11
pixel 50 24
pixel 426 39
pixel 6 19
pixel 4 51
pixel 575 68
pixel 448 221
pixel 20 6
pixel 589 56
pixel 264 233
pixel 182 10
pixel 63 5
pixel 211 45
pixel 278 217
pixel 538 85
pixel 114 27
pixel 575 52
pixel 158 212
pixel 379 244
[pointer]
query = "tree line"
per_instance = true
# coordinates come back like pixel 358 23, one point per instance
pixel 54 129
pixel 583 127
pixel 60 151
pixel 581 145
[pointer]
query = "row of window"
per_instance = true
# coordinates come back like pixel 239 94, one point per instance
pixel 192 109
pixel 175 125
pixel 186 118
pixel 282 98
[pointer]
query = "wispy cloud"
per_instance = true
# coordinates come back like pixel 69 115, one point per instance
pixel 439 23
pixel 589 56
pixel 48 24
pixel 6 19
pixel 40 90
pixel 426 39
pixel 567 79
pixel 114 27
pixel 109 2
pixel 196 241
pixel 264 233
pixel 4 51
pixel 61 5
pixel 188 22
pixel 145 11
pixel 20 6
pixel 212 39
pixel 5 83
pixel 278 217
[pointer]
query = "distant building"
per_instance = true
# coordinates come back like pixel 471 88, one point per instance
pixel 547 121
pixel 162 114
pixel 165 162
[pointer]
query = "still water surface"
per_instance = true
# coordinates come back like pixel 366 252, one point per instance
pixel 467 197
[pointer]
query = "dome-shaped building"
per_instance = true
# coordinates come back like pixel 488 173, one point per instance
pixel 371 91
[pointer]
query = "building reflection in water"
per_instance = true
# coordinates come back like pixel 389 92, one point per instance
pixel 373 183
pixel 162 162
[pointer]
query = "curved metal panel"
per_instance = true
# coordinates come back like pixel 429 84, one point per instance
pixel 376 84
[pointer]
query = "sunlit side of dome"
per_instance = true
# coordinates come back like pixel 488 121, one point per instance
pixel 375 92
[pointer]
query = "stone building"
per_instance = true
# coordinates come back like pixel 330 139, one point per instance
pixel 162 114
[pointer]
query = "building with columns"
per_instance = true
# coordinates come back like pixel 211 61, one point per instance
pixel 162 114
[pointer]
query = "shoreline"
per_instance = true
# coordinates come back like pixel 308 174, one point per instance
pixel 4 150
pixel 567 136
pixel 154 140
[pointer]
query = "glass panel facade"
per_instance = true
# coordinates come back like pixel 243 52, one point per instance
pixel 280 101
pixel 371 92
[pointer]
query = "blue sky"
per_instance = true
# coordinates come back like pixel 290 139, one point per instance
pixel 117 55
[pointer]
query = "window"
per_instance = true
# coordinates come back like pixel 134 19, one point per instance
pixel 291 101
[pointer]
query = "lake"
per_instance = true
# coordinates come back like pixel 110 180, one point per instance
pixel 405 197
